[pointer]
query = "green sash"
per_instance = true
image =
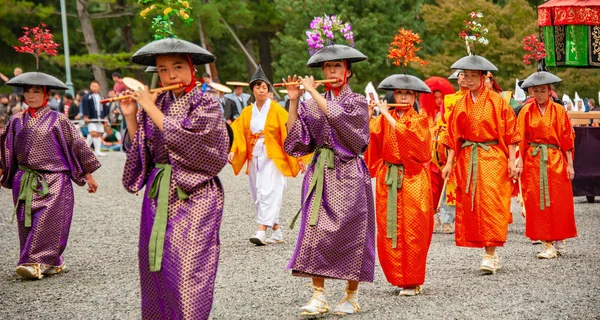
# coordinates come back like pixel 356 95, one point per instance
pixel 316 184
pixel 473 160
pixel 394 184
pixel 29 185
pixel 160 188
pixel 544 189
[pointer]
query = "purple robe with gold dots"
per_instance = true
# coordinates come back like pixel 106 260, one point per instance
pixel 49 144
pixel 195 143
pixel 342 243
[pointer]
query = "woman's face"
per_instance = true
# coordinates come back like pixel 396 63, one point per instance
pixel 541 94
pixel 487 81
pixel 473 79
pixel 439 98
pixel 405 96
pixel 173 69
pixel 34 96
pixel 334 70
pixel 260 91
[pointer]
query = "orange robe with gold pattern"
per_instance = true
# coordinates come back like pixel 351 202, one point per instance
pixel 556 221
pixel 274 133
pixel 482 216
pixel 409 144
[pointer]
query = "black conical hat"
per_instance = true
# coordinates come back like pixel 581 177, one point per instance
pixel 37 79
pixel 539 78
pixel 335 52
pixel 474 62
pixel 151 69
pixel 259 75
pixel 405 82
pixel 454 75
pixel 147 54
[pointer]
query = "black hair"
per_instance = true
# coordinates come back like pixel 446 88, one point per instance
pixel 116 74
pixel 206 75
pixel 258 82
pixel 95 81
pixel 68 96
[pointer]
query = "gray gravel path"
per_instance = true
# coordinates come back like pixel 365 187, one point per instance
pixel 102 281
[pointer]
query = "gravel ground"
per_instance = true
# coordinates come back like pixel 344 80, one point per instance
pixel 102 280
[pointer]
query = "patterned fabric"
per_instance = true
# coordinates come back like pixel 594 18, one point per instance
pixel 551 14
pixel 195 142
pixel 594 46
pixel 408 143
pixel 485 222
pixel 342 243
pixel 557 221
pixel 577 46
pixel 50 145
pixel 548 39
pixel 560 41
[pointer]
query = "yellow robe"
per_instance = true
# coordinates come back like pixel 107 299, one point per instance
pixel 274 133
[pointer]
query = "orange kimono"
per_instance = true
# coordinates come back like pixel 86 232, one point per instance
pixel 274 134
pixel 547 191
pixel 440 151
pixel 402 246
pixel 480 133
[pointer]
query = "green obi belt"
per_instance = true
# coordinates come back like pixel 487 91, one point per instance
pixel 160 188
pixel 29 184
pixel 473 161
pixel 324 156
pixel 393 179
pixel 544 189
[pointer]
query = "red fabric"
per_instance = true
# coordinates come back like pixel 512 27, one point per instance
pixel 437 183
pixel 569 12
pixel 427 100
pixel 32 111
pixel 192 84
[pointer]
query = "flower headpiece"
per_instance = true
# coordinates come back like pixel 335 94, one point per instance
pixel 474 32
pixel 161 23
pixel 322 29
pixel 403 49
pixel 37 41
pixel 536 50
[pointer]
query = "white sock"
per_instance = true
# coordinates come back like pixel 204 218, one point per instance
pixel 261 234
pixel 278 233
pixel 97 142
pixel 89 140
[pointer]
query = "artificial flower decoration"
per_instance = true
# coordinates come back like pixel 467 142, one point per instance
pixel 403 49
pixel 322 30
pixel 165 9
pixel 475 32
pixel 37 41
pixel 536 51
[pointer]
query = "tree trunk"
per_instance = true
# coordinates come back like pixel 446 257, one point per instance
pixel 211 68
pixel 250 68
pixel 91 44
pixel 264 53
pixel 128 40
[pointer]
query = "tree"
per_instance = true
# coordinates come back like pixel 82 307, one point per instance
pixel 91 43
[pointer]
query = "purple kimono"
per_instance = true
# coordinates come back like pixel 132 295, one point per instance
pixel 48 144
pixel 341 244
pixel 195 143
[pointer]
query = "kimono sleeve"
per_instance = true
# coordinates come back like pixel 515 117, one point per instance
pixel 512 134
pixel 80 157
pixel 566 133
pixel 139 160
pixel 298 142
pixel 349 121
pixel 239 147
pixel 198 144
pixel 373 157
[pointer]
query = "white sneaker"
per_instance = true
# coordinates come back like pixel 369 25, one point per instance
pixel 490 264
pixel 348 304
pixel 276 237
pixel 316 305
pixel 260 239
pixel 548 253
pixel 411 292
pixel 560 247
pixel 30 271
